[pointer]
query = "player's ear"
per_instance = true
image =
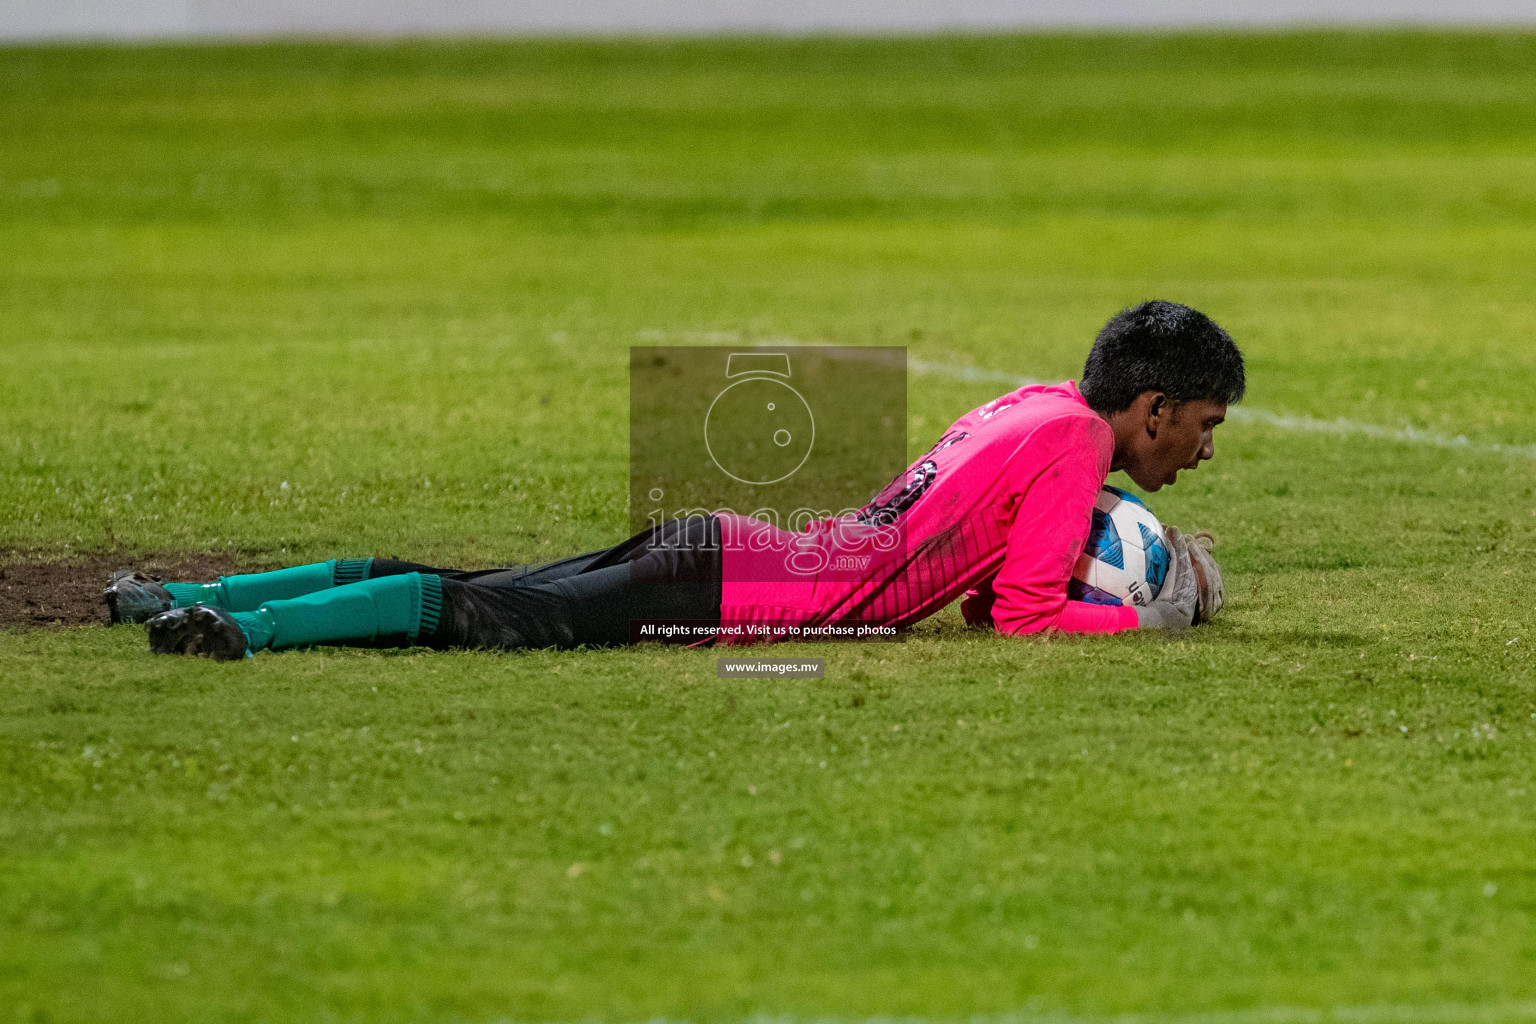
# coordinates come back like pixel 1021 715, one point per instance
pixel 1158 409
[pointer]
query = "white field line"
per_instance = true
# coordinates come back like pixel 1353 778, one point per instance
pixel 1246 414
pixel 1429 1013
pixel 1340 427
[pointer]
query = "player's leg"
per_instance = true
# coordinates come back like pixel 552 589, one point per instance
pixel 135 597
pixel 671 574
pixel 390 611
pixel 530 575
pixel 596 609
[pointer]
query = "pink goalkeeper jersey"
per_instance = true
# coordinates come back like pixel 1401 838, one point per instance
pixel 1000 507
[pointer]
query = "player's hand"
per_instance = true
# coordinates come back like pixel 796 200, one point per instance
pixel 1207 574
pixel 1177 603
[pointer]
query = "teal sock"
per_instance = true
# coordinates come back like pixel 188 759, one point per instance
pixel 185 595
pixel 401 608
pixel 349 570
pixel 257 627
pixel 246 593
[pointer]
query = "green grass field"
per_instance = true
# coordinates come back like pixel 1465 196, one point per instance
pixel 293 302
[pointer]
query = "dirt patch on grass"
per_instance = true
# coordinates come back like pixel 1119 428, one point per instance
pixel 69 593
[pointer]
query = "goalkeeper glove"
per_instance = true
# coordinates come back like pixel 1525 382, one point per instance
pixel 1207 574
pixel 1177 603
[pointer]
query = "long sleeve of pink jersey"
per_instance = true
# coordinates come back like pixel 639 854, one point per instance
pixel 1051 520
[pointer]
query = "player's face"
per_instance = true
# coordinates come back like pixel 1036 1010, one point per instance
pixel 1179 437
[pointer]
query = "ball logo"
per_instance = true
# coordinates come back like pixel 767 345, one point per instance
pixel 759 430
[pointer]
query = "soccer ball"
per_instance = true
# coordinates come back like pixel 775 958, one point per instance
pixel 1126 558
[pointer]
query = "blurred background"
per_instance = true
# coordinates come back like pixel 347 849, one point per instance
pixel 34 19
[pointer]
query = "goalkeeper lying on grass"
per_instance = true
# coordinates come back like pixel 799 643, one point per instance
pixel 998 510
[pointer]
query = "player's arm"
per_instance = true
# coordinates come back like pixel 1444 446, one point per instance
pixel 1052 514
pixel 1171 610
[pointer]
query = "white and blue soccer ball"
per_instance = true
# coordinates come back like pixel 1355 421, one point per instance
pixel 1126 558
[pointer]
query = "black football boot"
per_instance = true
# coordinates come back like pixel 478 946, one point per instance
pixel 133 596
pixel 203 630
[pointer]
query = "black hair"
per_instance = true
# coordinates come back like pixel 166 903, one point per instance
pixel 1161 346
